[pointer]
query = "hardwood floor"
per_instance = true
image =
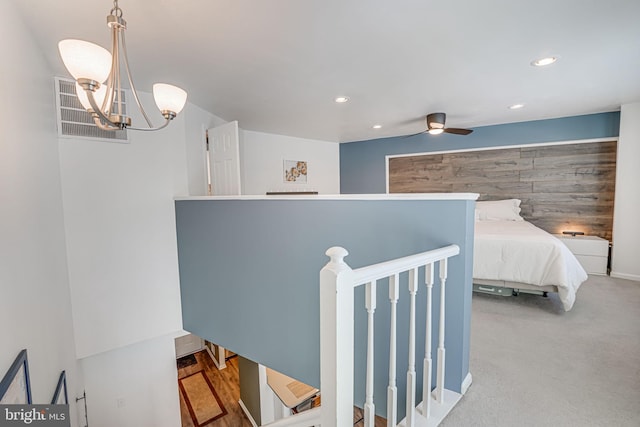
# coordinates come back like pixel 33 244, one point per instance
pixel 227 385
pixel 358 420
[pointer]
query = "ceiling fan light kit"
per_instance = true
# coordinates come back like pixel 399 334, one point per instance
pixel 99 83
pixel 435 125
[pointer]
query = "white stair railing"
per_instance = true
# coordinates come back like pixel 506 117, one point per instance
pixel 336 340
pixel 337 284
pixel 308 418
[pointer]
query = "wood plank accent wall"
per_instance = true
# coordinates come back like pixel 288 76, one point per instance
pixel 562 187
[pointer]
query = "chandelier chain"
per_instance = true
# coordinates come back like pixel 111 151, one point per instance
pixel 116 11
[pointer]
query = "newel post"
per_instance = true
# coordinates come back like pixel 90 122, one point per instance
pixel 336 339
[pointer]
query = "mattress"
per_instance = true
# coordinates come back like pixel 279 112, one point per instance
pixel 518 251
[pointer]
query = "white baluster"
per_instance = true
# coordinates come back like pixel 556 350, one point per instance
pixel 411 370
pixel 369 406
pixel 441 352
pixel 427 363
pixel 392 390
pixel 336 340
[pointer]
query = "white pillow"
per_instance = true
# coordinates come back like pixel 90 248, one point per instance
pixel 499 210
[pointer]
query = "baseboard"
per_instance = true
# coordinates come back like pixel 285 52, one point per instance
pixel 466 383
pixel 633 277
pixel 213 359
pixel 247 413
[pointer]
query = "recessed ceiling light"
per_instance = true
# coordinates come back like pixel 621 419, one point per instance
pixel 341 99
pixel 516 106
pixel 544 61
pixel 377 126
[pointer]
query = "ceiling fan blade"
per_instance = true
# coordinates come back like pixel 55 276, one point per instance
pixel 413 134
pixel 457 131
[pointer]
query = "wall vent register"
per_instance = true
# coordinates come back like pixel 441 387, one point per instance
pixel 73 119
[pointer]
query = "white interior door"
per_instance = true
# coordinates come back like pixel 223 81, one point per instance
pixel 224 159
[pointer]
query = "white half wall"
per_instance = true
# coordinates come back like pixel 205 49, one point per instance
pixel 135 386
pixel 262 163
pixel 35 306
pixel 626 227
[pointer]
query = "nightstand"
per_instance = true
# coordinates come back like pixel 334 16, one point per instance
pixel 591 251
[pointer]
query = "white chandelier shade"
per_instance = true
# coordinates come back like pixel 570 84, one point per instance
pixel 99 83
pixel 169 97
pixel 85 59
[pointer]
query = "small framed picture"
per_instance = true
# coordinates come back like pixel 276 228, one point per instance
pixel 60 396
pixel 295 171
pixel 15 388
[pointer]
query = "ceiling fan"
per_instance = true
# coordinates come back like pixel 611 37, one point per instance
pixel 435 125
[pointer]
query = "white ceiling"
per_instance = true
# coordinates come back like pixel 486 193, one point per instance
pixel 276 66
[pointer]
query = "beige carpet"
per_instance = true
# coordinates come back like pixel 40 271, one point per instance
pixel 202 400
pixel 533 364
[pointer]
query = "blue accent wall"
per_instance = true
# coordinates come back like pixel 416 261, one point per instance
pixel 249 278
pixel 362 163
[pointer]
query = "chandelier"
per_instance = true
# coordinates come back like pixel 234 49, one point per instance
pixel 99 82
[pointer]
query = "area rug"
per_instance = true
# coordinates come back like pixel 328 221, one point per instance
pixel 202 400
pixel 185 361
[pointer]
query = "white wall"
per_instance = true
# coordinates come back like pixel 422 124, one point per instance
pixel 262 163
pixel 120 226
pixel 122 384
pixel 123 266
pixel 626 227
pixel 35 308
pixel 121 243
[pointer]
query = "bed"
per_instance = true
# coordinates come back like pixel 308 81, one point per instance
pixel 513 255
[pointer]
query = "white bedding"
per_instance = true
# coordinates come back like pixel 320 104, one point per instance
pixel 518 251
